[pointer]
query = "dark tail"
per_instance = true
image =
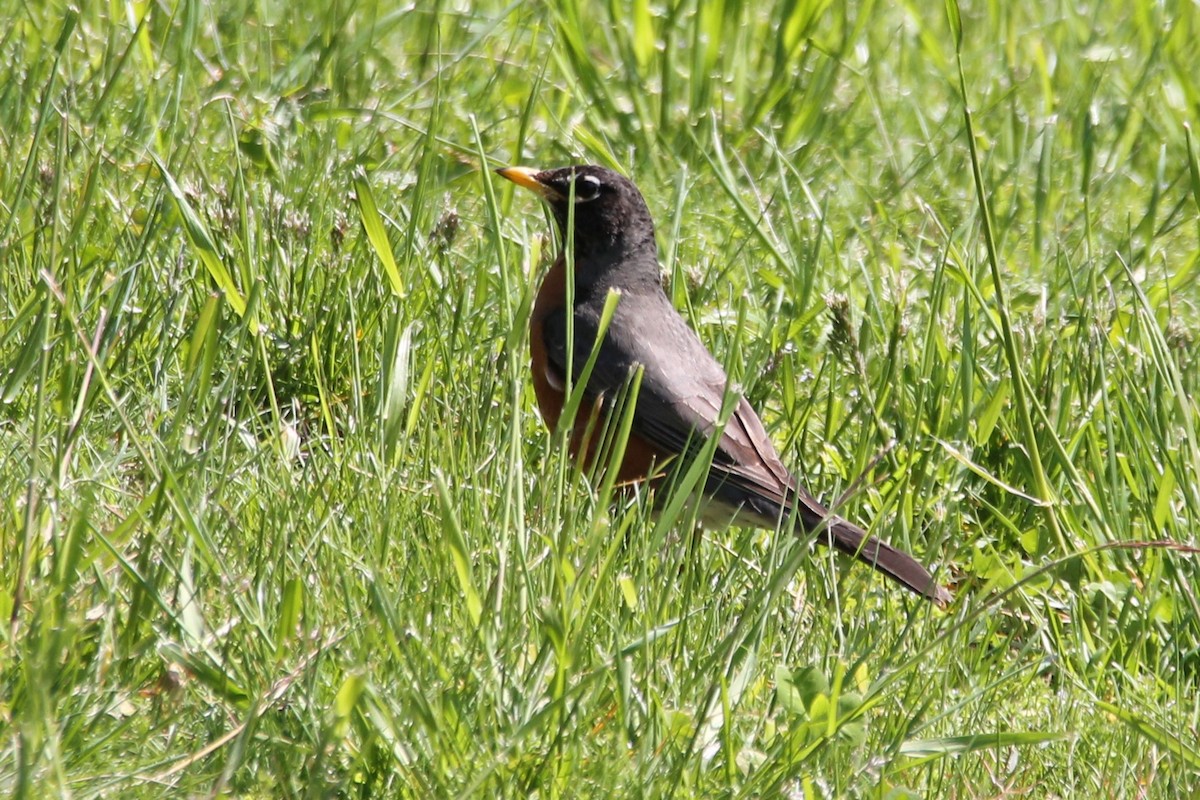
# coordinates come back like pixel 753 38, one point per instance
pixel 854 541
pixel 832 531
pixel 896 564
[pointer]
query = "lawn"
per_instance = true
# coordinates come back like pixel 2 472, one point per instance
pixel 281 518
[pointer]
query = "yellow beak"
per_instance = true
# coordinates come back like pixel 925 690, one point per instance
pixel 525 176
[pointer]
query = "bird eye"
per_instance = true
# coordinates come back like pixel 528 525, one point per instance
pixel 587 187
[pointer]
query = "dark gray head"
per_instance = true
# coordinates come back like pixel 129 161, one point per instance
pixel 612 226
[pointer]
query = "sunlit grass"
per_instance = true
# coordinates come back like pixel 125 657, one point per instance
pixel 282 520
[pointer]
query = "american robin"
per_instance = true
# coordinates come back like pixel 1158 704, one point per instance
pixel 679 402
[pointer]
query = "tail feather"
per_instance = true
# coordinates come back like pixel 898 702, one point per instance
pixel 734 502
pixel 896 564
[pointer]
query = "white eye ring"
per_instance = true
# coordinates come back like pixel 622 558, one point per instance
pixel 587 187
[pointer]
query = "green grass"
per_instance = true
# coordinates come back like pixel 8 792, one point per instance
pixel 281 520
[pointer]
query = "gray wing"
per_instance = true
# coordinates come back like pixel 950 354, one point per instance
pixel 682 390
pixel 678 405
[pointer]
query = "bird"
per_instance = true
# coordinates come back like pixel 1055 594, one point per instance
pixel 604 220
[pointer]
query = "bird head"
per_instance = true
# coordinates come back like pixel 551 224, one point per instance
pixel 600 211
